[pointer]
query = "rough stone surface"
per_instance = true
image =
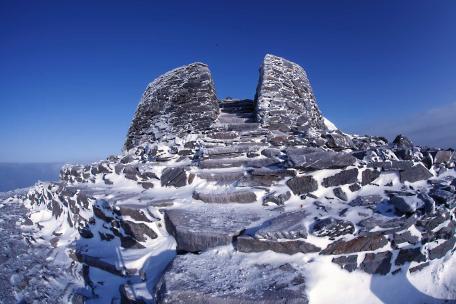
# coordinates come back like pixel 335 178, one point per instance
pixel 199 230
pixel 377 263
pixel 332 227
pixel 216 279
pixel 342 178
pixel 369 176
pixel 250 244
pixel 302 184
pixel 181 101
pixel 173 177
pixel 415 174
pixel 410 255
pixel 348 262
pixel 358 244
pixel 288 225
pixel 340 194
pixel 405 204
pixel 284 96
pixel 318 159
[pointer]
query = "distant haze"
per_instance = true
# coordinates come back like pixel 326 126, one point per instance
pixel 15 175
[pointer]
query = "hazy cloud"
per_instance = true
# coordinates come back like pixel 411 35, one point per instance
pixel 435 128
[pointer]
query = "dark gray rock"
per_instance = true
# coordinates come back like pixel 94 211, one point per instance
pixel 277 198
pixel 348 262
pixel 138 231
pixel 197 230
pixel 288 225
pixel 396 165
pixel 174 177
pixel 443 197
pixel 216 279
pixel 405 204
pixel 402 142
pixel 441 250
pixel 368 176
pixel 332 227
pixel 405 237
pixel 408 255
pixel 302 184
pixel 415 173
pixel 340 194
pixel 318 159
pixel 442 156
pixel 429 203
pixel 342 178
pixel 361 243
pixel 338 141
pixel 182 100
pixel 284 96
pixel 271 152
pixel 377 263
pixel 247 243
pixel 354 187
pixel 366 200
pixel 239 196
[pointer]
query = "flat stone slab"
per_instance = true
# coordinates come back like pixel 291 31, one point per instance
pixel 318 159
pixel 202 228
pixel 288 225
pixel 213 278
pixel 415 174
pixel 239 196
pixel 361 243
pixel 247 243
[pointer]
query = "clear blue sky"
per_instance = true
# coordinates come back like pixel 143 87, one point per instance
pixel 72 72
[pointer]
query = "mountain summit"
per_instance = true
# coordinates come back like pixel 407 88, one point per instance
pixel 241 201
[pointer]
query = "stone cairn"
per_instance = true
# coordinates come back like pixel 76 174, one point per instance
pixel 268 174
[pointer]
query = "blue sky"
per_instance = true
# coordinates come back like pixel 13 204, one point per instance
pixel 72 72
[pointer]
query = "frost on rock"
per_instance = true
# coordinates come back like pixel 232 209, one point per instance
pixel 237 201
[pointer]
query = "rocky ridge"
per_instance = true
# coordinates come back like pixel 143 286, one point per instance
pixel 182 215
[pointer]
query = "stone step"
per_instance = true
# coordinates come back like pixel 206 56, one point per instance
pixel 240 109
pixel 222 177
pixel 247 126
pixel 226 197
pixel 229 163
pixel 237 103
pixel 232 149
pixel 225 118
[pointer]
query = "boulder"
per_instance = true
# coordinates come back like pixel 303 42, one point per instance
pixel 405 204
pixel 182 100
pixel 368 176
pixel 402 142
pixel 408 255
pixel 138 231
pixel 338 141
pixel 340 194
pixel 366 201
pixel 415 174
pixel 405 237
pixel 247 243
pixel 277 198
pixel 173 177
pixel 342 178
pixel 347 262
pixel 317 159
pixel 360 243
pixel 377 263
pixel 442 156
pixel 302 184
pixel 441 250
pixel 284 96
pixel 332 227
